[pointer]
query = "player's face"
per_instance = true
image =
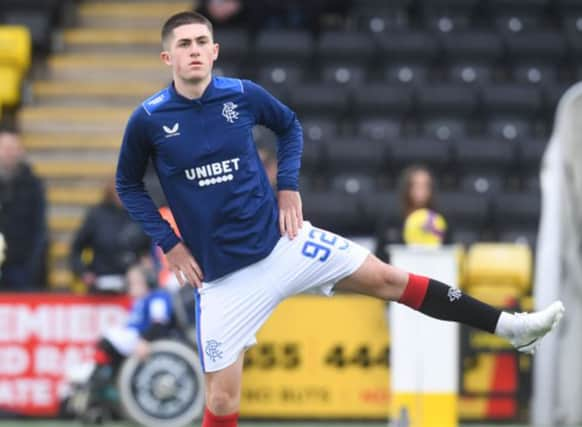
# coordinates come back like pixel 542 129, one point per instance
pixel 137 285
pixel 191 53
pixel 420 188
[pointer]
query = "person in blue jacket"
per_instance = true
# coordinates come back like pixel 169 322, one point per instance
pixel 151 317
pixel 243 246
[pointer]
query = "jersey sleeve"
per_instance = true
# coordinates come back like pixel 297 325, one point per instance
pixel 131 166
pixel 275 115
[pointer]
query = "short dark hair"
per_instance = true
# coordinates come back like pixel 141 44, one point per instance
pixel 184 18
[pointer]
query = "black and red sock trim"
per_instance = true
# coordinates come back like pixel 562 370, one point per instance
pixel 443 302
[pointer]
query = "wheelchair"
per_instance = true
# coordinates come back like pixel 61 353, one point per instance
pixel 167 388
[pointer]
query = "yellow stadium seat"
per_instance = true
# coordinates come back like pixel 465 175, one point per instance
pixel 501 264
pixel 9 86
pixel 15 47
pixel 500 296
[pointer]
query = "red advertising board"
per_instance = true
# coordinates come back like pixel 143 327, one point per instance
pixel 41 336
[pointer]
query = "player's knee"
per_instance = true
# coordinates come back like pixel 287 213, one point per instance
pixel 222 402
pixel 393 283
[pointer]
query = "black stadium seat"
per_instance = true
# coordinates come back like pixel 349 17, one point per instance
pixel 435 154
pixel 448 15
pixel 485 184
pixel 344 56
pixel 485 156
pixel 406 57
pixel 535 56
pixel 516 209
pixel 378 16
pixel 335 211
pixel 509 110
pixel 323 100
pixel 380 109
pixel 518 15
pixel 464 210
pixel 446 109
pixel 283 56
pixel 356 156
pixel 471 56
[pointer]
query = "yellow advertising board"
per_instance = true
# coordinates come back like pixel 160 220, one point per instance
pixel 320 357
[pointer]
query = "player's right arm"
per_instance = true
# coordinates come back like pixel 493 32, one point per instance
pixel 134 155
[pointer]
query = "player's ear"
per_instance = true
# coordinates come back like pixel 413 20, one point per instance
pixel 166 57
pixel 216 50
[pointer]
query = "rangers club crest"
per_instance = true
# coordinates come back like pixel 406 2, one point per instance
pixel 212 350
pixel 229 112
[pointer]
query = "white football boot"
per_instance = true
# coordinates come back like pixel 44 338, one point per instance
pixel 530 328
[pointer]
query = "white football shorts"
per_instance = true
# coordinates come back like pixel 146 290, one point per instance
pixel 231 309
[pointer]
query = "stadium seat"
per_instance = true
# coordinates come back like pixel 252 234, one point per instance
pixel 38 24
pixel 518 15
pixel 337 212
pixel 319 128
pixel 499 264
pixel 15 47
pixel 380 109
pixel 464 210
pixel 378 16
pixel 465 236
pixel 379 128
pixel 344 56
pixel 534 56
pixel 9 86
pixel 284 75
pixel 353 184
pixel 500 296
pixel 282 56
pixel 407 56
pixel 382 207
pixel 226 69
pixel 448 15
pixel 312 158
pixel 510 110
pixel 446 109
pixel 234 44
pixel 284 46
pixel 513 210
pixel 323 100
pixel 355 157
pixel 471 56
pixel 484 184
pixel 484 156
pixel 520 235
pixel 530 155
pixel 435 154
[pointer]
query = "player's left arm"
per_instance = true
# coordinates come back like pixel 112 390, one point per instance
pixel 275 115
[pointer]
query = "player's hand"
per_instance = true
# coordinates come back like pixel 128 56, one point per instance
pixel 290 212
pixel 142 349
pixel 184 266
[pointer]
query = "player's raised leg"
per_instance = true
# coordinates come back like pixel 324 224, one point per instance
pixel 223 390
pixel 433 298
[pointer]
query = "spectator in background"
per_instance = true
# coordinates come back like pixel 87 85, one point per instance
pixel 151 318
pixel 269 160
pixel 114 241
pixel 416 191
pixel 256 15
pixel 22 218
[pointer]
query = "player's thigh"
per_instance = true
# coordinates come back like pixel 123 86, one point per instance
pixel 375 278
pixel 315 261
pixel 223 387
